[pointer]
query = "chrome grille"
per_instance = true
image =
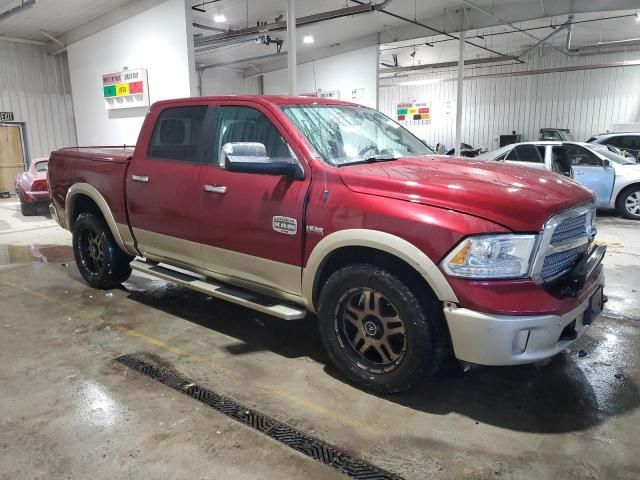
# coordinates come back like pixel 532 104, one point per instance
pixel 565 238
pixel 570 228
pixel 557 263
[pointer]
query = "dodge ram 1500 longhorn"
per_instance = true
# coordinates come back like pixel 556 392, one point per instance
pixel 290 205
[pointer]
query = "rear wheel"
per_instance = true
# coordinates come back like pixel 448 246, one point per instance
pixel 629 202
pixel 100 260
pixel 376 331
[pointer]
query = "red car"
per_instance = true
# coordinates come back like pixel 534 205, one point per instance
pixel 289 205
pixel 32 187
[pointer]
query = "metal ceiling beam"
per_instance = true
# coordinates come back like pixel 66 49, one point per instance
pixel 25 5
pixel 525 73
pixel 515 12
pixel 506 22
pixel 474 61
pixel 213 40
pixel 431 29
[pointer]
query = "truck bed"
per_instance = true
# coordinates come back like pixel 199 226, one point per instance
pixel 101 167
pixel 120 154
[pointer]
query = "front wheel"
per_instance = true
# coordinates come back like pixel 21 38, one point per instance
pixel 376 331
pixel 629 203
pixel 100 260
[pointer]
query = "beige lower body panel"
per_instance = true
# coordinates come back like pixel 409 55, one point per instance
pixel 266 276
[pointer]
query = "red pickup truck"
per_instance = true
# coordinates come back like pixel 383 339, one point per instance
pixel 290 205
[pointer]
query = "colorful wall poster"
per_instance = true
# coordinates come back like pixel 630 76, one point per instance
pixel 126 89
pixel 414 112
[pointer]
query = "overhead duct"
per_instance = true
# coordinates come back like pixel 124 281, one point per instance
pixel 213 41
pixel 25 5
pixel 202 26
pixel 474 61
pixel 598 47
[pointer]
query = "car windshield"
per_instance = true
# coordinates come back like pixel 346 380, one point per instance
pixel 41 166
pixel 347 135
pixel 614 157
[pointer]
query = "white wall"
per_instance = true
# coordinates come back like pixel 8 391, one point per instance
pixel 224 81
pixel 344 72
pixel 159 40
pixel 585 101
pixel 35 87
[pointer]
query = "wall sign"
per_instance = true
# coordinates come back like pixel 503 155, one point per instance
pixel 419 112
pixel 6 117
pixel 328 93
pixel 357 95
pixel 126 89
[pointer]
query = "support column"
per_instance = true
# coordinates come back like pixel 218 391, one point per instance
pixel 291 48
pixel 460 94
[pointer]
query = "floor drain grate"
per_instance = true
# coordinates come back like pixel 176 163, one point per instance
pixel 283 433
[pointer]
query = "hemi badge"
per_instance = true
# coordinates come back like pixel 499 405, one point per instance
pixel 315 230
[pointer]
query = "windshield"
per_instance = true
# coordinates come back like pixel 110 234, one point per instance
pixel 614 157
pixel 345 135
pixel 41 166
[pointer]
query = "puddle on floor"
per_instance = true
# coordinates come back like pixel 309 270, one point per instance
pixel 19 254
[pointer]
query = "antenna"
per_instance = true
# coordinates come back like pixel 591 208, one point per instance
pixel 315 82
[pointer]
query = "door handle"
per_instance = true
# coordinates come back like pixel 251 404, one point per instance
pixel 578 173
pixel 215 189
pixel 140 178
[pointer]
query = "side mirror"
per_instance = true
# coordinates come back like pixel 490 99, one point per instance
pixel 606 162
pixel 251 157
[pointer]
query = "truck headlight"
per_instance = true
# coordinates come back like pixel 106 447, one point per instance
pixel 491 256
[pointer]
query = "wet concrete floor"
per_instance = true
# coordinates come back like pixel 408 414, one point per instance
pixel 67 410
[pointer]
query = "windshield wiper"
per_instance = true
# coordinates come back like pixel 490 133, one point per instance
pixel 371 159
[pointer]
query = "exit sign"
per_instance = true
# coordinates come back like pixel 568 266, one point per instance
pixel 6 117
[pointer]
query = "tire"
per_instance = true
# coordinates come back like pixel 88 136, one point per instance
pixel 28 209
pixel 100 260
pixel 360 340
pixel 629 202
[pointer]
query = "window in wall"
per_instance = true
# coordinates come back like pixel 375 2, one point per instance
pixel 246 124
pixel 177 133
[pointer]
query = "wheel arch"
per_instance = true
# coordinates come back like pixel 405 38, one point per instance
pixel 384 249
pixel 82 197
pixel 634 183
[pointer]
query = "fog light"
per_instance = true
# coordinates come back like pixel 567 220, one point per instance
pixel 520 342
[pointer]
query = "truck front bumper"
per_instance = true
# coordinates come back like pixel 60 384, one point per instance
pixel 488 339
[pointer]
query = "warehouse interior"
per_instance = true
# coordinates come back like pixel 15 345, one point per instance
pixel 516 111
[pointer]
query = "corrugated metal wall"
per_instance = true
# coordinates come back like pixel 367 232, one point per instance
pixel 585 101
pixel 222 81
pixel 36 88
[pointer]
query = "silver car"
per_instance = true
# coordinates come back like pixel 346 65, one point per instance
pixel 615 180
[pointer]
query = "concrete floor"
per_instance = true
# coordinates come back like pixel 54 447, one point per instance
pixel 67 410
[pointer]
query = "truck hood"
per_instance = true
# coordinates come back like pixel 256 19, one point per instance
pixel 519 198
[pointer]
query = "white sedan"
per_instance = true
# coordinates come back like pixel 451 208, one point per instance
pixel 614 179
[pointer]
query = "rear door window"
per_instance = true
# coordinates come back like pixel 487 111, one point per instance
pixel 526 153
pixel 581 157
pixel 177 134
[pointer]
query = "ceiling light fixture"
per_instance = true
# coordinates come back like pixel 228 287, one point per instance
pixel 420 82
pixel 219 18
pixel 637 17
pixel 308 39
